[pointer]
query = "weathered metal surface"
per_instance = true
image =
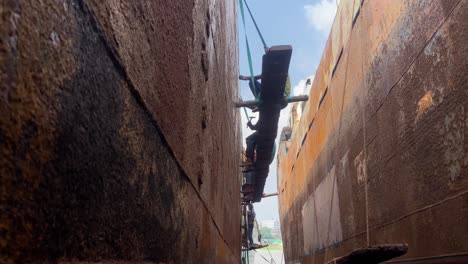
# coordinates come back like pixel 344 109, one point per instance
pixel 386 115
pixel 119 140
pixel 188 71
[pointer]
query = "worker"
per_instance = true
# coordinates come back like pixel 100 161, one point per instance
pixel 248 163
pixel 256 88
pixel 251 142
pixel 248 187
pixel 250 221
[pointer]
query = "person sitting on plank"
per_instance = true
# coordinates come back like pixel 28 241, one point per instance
pixel 256 88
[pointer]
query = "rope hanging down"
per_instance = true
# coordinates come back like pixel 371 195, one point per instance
pixel 249 55
pixel 256 26
pixel 246 114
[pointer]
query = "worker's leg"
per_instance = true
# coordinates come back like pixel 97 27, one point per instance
pixel 248 186
pixel 250 178
pixel 251 142
pixel 250 152
pixel 255 87
pixel 251 226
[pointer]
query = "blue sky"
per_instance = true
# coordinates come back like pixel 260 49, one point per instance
pixel 304 24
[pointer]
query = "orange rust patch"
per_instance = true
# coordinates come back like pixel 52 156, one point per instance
pixel 425 103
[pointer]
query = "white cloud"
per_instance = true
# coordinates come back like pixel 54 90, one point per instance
pixel 321 15
pixel 309 85
pixel 299 88
pixel 302 88
pixel 284 118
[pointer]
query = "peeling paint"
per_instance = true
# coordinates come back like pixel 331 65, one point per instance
pixel 430 49
pixel 321 216
pixel 453 135
pixel 359 164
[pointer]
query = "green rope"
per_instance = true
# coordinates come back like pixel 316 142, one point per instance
pixel 249 54
pixel 256 26
pixel 245 112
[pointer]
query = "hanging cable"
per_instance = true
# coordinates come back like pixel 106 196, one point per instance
pixel 262 256
pixel 270 254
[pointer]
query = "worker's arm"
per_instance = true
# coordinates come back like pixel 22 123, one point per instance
pixel 252 126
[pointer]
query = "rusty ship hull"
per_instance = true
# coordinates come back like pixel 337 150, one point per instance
pixel 380 152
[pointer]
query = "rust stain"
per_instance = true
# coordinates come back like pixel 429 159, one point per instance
pixel 95 163
pixel 425 103
pixel 371 114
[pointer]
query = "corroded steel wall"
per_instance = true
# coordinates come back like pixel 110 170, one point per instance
pixel 381 152
pixel 119 140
